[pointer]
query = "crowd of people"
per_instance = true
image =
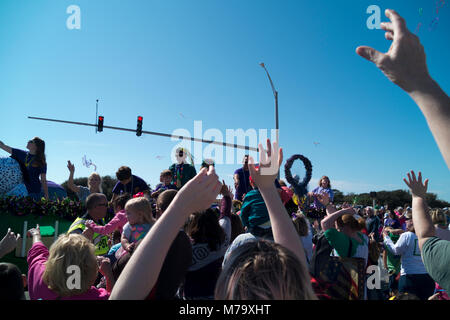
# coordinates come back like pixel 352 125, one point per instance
pixel 180 241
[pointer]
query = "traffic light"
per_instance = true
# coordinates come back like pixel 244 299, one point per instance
pixel 139 126
pixel 100 124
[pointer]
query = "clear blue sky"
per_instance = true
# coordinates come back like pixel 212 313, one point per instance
pixel 200 58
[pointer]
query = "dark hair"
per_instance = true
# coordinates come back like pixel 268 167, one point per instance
pixel 236 226
pixel 93 199
pixel 123 173
pixel 116 236
pixel 39 160
pixel 165 198
pixel 166 173
pixel 121 200
pixel 204 227
pixel 11 283
pixel 301 225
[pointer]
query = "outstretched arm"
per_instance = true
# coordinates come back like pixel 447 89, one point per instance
pixel 405 65
pixel 328 221
pixel 5 147
pixel 142 270
pixel 70 184
pixel 282 227
pixel 423 224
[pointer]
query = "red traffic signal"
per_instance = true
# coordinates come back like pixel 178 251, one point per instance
pixel 139 126
pixel 100 124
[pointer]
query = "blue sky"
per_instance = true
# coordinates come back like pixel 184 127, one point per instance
pixel 200 58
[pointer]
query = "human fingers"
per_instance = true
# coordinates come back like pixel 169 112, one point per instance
pixel 398 23
pixel 269 148
pixel 413 174
pixel 370 54
pixel 389 36
pixel 262 156
pixel 387 26
pixel 426 184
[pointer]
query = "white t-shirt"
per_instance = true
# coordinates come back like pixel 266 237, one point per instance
pixel 407 246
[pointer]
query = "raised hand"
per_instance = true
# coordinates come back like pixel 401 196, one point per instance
pixel 405 62
pixel 70 166
pixel 8 243
pixel 418 189
pixel 270 162
pixel 200 191
pixel 226 190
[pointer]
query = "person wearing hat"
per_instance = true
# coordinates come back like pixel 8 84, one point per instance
pixel 414 278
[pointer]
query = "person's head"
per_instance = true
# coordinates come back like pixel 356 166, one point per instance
pixel 181 155
pixel 245 162
pixel 400 210
pixel 68 253
pixel 409 222
pixel 348 224
pixel 163 201
pixel 139 211
pixel 282 183
pixel 438 217
pixel 36 146
pixel 124 175
pixel 263 270
pixel 204 227
pixel 300 224
pixel 165 177
pixel 236 205
pixel 11 282
pixel 392 214
pixel 236 226
pixel 97 205
pixel 324 182
pixel 369 211
pixel 95 182
pixel 362 223
pixel 206 163
pixel 120 202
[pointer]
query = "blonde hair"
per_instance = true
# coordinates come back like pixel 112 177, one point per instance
pixel 142 206
pixel 438 217
pixel 263 270
pixel 95 174
pixel 68 250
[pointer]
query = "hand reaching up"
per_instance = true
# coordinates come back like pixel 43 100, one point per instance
pixel 8 243
pixel 405 62
pixel 418 189
pixel 202 190
pixel 270 162
pixel 324 198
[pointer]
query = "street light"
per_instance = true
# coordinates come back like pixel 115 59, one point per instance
pixel 275 94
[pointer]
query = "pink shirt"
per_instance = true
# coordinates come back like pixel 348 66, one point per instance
pixel 37 256
pixel 119 220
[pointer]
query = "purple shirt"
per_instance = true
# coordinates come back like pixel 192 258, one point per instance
pixel 26 160
pixel 244 183
pixel 134 186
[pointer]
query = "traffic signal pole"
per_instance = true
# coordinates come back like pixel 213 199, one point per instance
pixel 150 132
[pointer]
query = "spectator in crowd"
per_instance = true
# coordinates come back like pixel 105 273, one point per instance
pixel 166 183
pixel 304 230
pixel 210 239
pixel 33 165
pixel 372 223
pixel 116 223
pixel 11 282
pixel 96 204
pixel 49 272
pixel 241 180
pixel 317 209
pixel 94 184
pixel 413 275
pixel 441 224
pixel 128 183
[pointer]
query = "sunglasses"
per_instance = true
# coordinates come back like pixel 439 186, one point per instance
pixel 102 205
